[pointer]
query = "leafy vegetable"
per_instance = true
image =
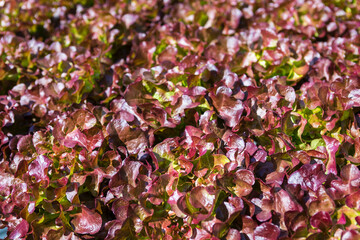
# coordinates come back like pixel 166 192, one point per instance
pixel 179 119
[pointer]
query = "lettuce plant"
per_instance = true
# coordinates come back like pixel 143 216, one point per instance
pixel 179 119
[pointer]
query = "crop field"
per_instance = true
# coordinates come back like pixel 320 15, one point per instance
pixel 179 119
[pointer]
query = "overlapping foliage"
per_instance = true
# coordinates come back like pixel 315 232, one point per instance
pixel 179 119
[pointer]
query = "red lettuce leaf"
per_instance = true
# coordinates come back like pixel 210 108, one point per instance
pixel 87 222
pixel 332 146
pixel 267 231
